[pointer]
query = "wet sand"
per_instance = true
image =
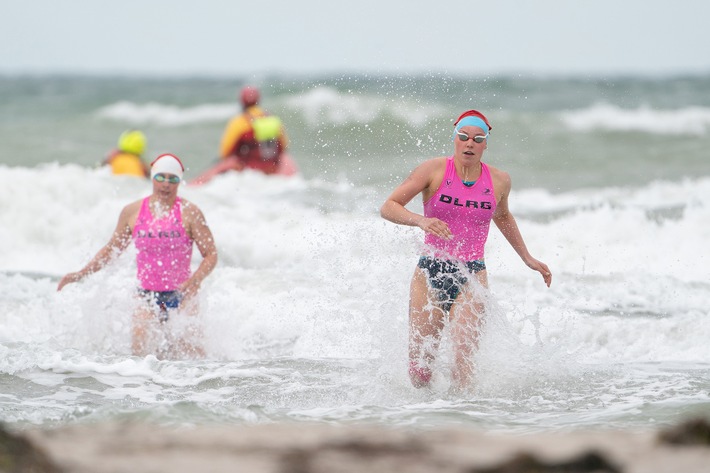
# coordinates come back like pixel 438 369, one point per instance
pixel 305 448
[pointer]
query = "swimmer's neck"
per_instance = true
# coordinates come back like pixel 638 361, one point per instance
pixel 160 204
pixel 470 172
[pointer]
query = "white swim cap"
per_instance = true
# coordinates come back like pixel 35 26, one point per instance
pixel 167 164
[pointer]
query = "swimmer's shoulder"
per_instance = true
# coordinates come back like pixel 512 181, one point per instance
pixel 431 168
pixel 190 211
pixel 435 163
pixel 501 180
pixel 130 212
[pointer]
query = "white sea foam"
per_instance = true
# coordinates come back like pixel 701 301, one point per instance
pixel 166 115
pixel 319 106
pixel 603 116
pixel 326 105
pixel 303 279
pixel 284 256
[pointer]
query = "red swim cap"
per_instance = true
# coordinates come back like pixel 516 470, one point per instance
pixel 249 96
pixel 474 113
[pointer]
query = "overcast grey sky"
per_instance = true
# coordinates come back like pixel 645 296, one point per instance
pixel 237 37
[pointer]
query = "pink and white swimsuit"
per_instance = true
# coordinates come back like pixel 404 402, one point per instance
pixel 164 248
pixel 467 211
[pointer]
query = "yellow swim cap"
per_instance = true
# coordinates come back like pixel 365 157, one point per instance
pixel 132 141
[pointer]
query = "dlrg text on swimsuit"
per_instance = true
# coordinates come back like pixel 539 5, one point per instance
pixel 469 203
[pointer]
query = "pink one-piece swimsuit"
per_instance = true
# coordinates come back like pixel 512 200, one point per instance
pixel 467 211
pixel 164 248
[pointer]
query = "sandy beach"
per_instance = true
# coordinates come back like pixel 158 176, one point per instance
pixel 272 448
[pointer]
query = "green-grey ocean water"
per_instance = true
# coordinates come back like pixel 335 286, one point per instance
pixel 374 129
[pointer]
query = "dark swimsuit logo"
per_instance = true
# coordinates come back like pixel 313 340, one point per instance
pixel 447 199
pixel 448 183
pixel 159 234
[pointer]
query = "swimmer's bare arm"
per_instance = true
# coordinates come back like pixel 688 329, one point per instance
pixel 119 241
pixel 505 221
pixel 202 236
pixel 423 179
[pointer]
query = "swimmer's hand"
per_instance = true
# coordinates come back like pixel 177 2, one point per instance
pixel 436 227
pixel 69 278
pixel 189 288
pixel 541 268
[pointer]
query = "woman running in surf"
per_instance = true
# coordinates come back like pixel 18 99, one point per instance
pixel 461 196
pixel 164 228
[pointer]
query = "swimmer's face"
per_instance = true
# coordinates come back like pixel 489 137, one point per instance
pixel 166 185
pixel 471 148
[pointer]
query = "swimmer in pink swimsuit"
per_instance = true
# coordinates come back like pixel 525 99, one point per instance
pixel 163 257
pixel 461 196
pixel 164 228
